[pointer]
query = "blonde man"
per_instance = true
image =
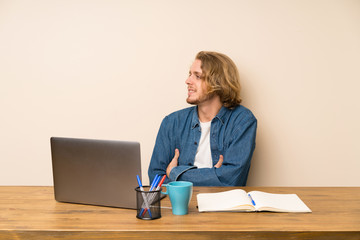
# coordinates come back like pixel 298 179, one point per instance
pixel 211 143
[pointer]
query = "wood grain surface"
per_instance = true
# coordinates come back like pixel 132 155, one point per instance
pixel 32 213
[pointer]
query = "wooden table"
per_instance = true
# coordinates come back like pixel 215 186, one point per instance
pixel 32 213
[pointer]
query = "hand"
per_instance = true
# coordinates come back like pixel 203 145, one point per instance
pixel 173 163
pixel 220 162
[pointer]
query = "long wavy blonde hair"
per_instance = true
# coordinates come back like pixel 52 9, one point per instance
pixel 222 77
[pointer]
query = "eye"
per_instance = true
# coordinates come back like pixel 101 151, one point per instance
pixel 198 76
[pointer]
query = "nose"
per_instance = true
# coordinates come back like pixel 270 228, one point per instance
pixel 188 80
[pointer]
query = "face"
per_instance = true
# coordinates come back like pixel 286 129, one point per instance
pixel 197 89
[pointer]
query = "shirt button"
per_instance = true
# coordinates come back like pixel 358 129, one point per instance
pixel 195 143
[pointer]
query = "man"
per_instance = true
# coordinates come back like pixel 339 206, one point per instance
pixel 211 143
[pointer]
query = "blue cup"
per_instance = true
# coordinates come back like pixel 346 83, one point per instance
pixel 180 195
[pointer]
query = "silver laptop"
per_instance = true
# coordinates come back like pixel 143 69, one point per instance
pixel 96 172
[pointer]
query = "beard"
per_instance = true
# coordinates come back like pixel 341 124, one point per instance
pixel 200 99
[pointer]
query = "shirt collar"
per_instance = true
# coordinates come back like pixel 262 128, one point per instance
pixel 195 118
pixel 222 116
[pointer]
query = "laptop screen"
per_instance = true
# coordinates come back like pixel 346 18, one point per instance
pixel 97 172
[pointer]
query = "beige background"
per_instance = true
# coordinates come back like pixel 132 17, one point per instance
pixel 113 69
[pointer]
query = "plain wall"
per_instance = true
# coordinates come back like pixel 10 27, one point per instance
pixel 113 69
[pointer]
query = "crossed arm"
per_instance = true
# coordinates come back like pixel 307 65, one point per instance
pixel 174 162
pixel 231 168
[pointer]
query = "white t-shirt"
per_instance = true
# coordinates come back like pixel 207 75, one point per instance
pixel 203 153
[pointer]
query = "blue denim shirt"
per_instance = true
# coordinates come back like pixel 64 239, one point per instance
pixel 232 135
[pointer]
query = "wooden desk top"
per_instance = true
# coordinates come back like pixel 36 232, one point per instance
pixel 32 213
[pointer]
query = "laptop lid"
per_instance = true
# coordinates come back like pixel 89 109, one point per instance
pixel 96 172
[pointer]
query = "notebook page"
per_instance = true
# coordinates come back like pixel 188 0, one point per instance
pixel 223 201
pixel 279 202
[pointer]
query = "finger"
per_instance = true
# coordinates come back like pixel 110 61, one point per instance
pixel 177 153
pixel 173 163
pixel 220 162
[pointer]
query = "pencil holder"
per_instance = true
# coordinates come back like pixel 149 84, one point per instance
pixel 148 203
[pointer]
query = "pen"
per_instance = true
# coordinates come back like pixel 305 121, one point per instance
pixel 161 182
pixel 144 197
pixel 153 184
pixel 157 189
pixel 253 202
pixel 152 196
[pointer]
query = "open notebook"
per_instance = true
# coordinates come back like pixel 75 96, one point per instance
pixel 240 201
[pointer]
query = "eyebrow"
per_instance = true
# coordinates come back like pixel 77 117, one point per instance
pixel 195 72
